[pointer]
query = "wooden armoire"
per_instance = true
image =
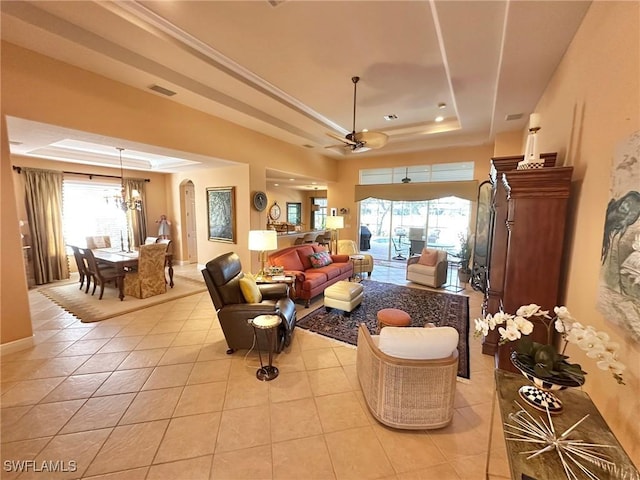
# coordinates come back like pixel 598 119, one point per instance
pixel 526 252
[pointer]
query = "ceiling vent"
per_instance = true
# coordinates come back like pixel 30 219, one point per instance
pixel 162 90
pixel 513 116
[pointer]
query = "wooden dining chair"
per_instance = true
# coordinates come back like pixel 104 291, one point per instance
pixel 149 279
pixel 101 275
pixel 82 267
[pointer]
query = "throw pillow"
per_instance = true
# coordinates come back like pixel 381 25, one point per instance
pixel 418 343
pixel 320 259
pixel 250 290
pixel 428 258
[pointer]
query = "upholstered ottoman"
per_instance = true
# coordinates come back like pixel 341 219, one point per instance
pixel 392 317
pixel 343 295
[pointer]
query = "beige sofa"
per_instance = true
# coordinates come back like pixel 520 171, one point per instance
pixel 349 247
pixel 431 276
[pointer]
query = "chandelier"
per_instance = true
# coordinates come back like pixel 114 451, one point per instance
pixel 122 202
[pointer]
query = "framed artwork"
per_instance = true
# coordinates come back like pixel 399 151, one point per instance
pixel 619 289
pixel 221 209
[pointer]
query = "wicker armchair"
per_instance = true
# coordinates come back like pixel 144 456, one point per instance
pixel 403 393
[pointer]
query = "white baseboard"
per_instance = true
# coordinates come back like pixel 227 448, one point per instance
pixel 16 345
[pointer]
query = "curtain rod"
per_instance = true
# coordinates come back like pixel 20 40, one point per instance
pixel 90 175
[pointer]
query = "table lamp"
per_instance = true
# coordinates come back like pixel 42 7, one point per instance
pixel 531 149
pixel 261 241
pixel 334 223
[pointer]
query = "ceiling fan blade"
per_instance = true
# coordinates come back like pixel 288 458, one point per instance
pixel 342 145
pixel 342 139
pixel 372 139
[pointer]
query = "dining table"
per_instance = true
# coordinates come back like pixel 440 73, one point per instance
pixel 123 260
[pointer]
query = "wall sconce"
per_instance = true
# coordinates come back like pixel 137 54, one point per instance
pixel 531 149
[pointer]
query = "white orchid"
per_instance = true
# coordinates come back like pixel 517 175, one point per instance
pixel 596 344
pixel 482 326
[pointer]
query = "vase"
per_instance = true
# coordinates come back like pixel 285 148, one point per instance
pixel 540 394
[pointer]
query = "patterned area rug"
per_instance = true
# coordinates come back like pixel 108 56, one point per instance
pixel 424 306
pixel 89 309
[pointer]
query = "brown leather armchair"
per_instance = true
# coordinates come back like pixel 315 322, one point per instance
pixel 222 276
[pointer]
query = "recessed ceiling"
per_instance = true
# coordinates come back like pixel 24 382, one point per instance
pixel 284 68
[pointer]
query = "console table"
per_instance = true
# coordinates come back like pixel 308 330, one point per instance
pixel 548 466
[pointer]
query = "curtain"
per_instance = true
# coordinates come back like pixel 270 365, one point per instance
pixel 137 219
pixel 43 197
pixel 467 190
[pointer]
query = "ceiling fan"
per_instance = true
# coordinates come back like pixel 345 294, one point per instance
pixel 363 141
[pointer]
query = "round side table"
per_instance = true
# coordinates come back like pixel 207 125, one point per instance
pixel 269 323
pixel 357 260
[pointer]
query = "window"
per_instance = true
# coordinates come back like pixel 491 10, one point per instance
pixel 88 209
pixel 402 228
pixel 318 213
pixel 441 172
pixel 294 213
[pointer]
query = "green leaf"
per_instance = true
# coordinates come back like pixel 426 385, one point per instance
pixel 525 346
pixel 545 355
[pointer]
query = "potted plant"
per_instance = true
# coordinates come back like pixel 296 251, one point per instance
pixel 464 271
pixel 546 366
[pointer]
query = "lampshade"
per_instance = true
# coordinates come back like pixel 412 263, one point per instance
pixel 335 222
pixel 534 120
pixel 261 240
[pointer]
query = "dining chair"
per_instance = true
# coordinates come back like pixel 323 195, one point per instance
pixel 169 250
pixel 167 242
pixel 149 279
pixel 82 267
pixel 101 275
pixel 99 241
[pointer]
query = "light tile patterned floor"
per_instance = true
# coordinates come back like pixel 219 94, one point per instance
pixel 153 395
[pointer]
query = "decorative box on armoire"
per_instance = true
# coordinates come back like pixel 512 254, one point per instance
pixel 530 213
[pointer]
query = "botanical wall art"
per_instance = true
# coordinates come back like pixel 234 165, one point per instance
pixel 222 216
pixel 619 293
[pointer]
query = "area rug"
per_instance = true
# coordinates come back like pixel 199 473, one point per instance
pixel 424 306
pixel 88 308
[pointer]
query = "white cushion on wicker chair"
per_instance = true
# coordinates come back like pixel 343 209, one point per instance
pixel 418 343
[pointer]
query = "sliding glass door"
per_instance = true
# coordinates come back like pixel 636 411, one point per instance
pixel 402 228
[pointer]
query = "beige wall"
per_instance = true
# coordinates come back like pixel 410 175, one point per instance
pixel 15 316
pixel 591 104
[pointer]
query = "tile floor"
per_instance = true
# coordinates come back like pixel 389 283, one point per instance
pixel 153 395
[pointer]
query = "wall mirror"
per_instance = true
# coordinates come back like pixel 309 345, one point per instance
pixel 482 245
pixel 294 213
